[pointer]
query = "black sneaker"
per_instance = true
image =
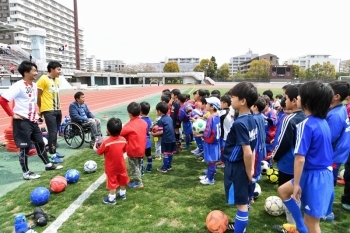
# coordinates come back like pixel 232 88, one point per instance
pixel 53 167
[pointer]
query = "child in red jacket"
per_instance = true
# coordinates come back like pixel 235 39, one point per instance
pixel 135 132
pixel 113 149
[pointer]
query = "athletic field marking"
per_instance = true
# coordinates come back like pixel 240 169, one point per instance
pixel 74 206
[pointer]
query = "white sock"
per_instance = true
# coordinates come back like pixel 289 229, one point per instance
pixel 26 173
pixel 111 197
pixel 48 165
pixel 122 192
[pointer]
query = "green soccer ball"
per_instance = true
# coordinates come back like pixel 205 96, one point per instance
pixel 198 126
pixel 272 175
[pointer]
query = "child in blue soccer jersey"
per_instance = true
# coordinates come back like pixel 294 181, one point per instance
pixel 211 137
pixel 238 153
pixel 184 117
pixel 145 108
pixel 166 131
pixel 312 183
pixel 337 119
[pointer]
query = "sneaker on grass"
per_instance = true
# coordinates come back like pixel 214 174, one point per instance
pixel 162 170
pixel 207 181
pixel 30 176
pixel 53 167
pixel 123 197
pixel 56 160
pixel 345 206
pixel 107 201
pixel 231 227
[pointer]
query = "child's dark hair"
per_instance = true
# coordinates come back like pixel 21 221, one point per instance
pixel 188 97
pixel 279 96
pixel 267 99
pixel 200 92
pixel 268 93
pixel 226 99
pixel 245 90
pixel 283 102
pixel 167 93
pixel 316 97
pixel 114 126
pixel 260 103
pixel 341 88
pixel 202 100
pixel 216 92
pixel 175 92
pixel 293 91
pixel 134 109
pixel 207 92
pixel 26 66
pixel 53 65
pixel 165 99
pixel 286 86
pixel 165 90
pixel 145 107
pixel 162 107
pixel 182 98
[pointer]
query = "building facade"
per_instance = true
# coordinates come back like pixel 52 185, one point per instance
pixel 245 66
pixel 56 19
pixel 113 65
pixel 93 64
pixel 235 61
pixel 342 66
pixel 307 61
pixel 185 64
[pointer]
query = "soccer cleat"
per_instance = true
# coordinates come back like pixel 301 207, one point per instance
pixel 200 158
pixel 56 160
pixel 169 168
pixel 329 218
pixel 162 170
pixel 199 153
pixel 207 181
pixel 123 197
pixel 53 167
pixel 231 227
pixel 148 170
pixel 59 155
pixel 31 176
pixel 134 185
pixel 345 206
pixel 195 150
pixel 202 177
pixel 107 201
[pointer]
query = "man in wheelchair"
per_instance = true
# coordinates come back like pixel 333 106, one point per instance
pixel 80 113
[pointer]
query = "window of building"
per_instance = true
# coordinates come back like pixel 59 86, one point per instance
pixel 3 1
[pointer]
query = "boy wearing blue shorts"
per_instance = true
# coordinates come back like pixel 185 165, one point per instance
pixel 166 131
pixel 312 183
pixel 238 153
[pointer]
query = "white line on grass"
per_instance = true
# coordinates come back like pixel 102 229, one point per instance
pixel 74 206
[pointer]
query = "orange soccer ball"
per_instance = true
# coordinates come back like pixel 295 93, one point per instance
pixel 155 129
pixel 58 184
pixel 217 221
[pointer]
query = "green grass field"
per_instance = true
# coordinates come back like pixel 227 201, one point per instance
pixel 173 202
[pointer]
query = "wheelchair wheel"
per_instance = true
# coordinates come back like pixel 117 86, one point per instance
pixel 87 136
pixel 73 135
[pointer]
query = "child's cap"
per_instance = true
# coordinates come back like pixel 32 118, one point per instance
pixel 213 101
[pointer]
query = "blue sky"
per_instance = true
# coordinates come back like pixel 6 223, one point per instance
pixel 148 31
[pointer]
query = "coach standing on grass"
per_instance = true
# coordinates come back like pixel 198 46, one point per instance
pixel 25 125
pixel 50 106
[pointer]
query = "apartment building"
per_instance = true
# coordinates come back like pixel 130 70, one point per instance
pixel 244 66
pixel 113 65
pixel 307 61
pixel 186 64
pixel 50 15
pixel 235 61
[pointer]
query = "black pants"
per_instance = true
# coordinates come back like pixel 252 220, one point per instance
pixel 53 121
pixel 25 132
pixel 345 199
pixel 283 178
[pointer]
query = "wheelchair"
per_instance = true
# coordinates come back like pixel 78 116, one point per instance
pixel 76 133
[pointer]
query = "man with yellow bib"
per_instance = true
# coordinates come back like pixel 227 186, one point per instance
pixel 50 106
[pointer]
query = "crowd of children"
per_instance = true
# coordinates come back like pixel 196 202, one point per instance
pixel 305 133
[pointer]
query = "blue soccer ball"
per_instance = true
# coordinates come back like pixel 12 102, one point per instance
pixel 40 196
pixel 72 176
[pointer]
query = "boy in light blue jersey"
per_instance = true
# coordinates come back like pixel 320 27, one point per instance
pixel 312 183
pixel 337 119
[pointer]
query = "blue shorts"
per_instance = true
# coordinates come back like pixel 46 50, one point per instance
pixel 222 143
pixel 316 191
pixel 168 148
pixel 211 151
pixel 237 185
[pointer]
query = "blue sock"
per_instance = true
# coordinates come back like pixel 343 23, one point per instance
pixel 170 161
pixel 165 162
pixel 149 163
pixel 211 171
pixel 241 221
pixel 330 207
pixel 293 208
pixel 188 138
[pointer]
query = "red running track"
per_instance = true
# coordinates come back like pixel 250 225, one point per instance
pixel 97 100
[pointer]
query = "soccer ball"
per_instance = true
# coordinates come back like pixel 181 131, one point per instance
pixel 40 196
pixel 90 166
pixel 155 129
pixel 257 191
pixel 58 184
pixel 72 176
pixel 341 174
pixel 272 175
pixel 217 221
pixel 264 167
pixel 274 206
pixel 199 125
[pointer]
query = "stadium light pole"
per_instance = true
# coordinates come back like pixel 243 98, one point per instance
pixel 76 32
